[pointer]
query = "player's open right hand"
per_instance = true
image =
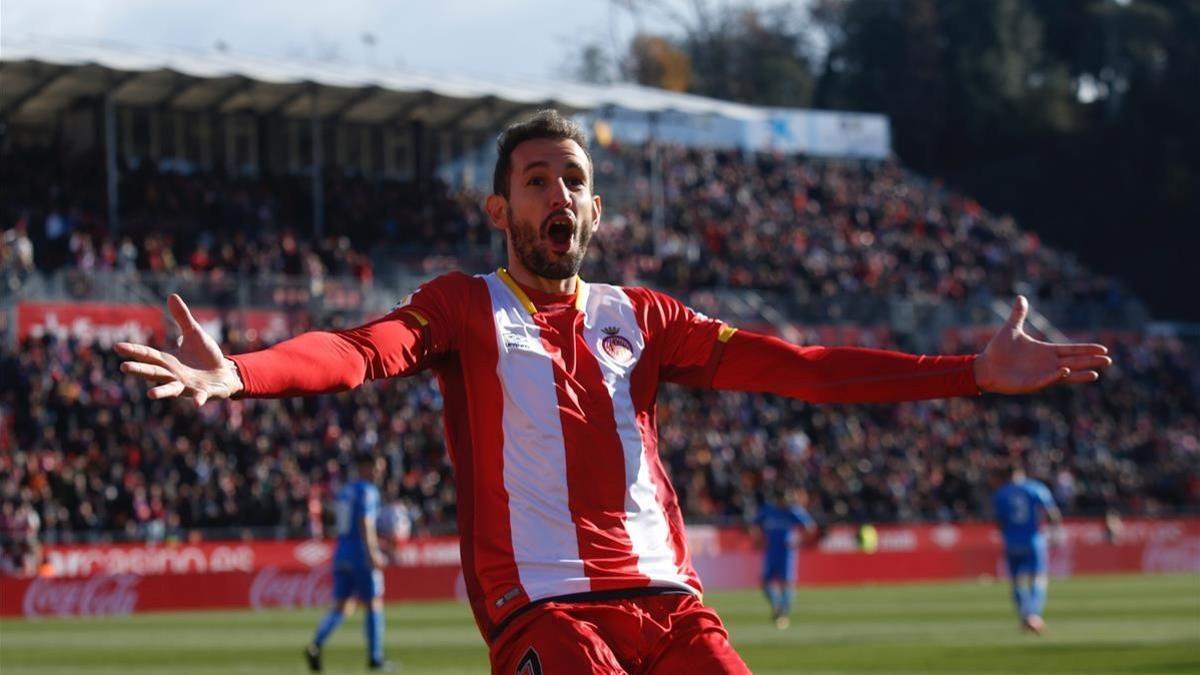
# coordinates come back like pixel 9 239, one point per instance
pixel 197 369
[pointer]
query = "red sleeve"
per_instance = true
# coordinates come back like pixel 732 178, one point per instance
pixel 752 362
pixel 423 326
pixel 687 342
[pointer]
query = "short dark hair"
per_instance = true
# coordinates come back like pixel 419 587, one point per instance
pixel 364 457
pixel 548 123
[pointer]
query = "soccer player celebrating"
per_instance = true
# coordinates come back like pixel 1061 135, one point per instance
pixel 1019 506
pixel 573 546
pixel 778 520
pixel 357 563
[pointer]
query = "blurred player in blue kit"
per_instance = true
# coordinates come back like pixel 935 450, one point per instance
pixel 778 519
pixel 357 563
pixel 1021 505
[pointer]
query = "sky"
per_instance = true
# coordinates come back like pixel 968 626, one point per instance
pixel 520 39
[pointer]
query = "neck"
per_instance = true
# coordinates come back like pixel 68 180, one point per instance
pixel 523 276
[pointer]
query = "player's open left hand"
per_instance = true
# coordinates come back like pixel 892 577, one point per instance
pixel 196 370
pixel 1015 363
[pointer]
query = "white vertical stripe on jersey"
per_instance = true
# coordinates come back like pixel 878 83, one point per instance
pixel 609 308
pixel 545 547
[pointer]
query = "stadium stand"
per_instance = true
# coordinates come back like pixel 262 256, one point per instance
pixel 815 249
pixel 91 459
pixel 810 231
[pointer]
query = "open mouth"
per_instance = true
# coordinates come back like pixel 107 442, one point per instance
pixel 560 232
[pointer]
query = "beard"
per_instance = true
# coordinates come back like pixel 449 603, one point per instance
pixel 527 243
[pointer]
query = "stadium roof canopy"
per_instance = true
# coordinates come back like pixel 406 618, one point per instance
pixel 40 77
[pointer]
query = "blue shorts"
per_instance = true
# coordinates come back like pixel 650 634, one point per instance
pixel 363 583
pixel 1030 560
pixel 779 567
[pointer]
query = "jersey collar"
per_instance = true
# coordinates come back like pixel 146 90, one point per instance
pixel 523 297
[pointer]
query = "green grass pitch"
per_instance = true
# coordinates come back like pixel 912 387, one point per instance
pixel 1118 624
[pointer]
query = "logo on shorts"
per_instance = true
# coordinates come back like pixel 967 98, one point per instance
pixel 617 347
pixel 530 664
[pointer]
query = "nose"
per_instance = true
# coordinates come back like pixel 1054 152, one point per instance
pixel 560 195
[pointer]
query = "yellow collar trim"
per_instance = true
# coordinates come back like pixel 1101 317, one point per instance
pixel 523 298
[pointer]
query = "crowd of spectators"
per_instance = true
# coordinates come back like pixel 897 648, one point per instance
pixel 84 453
pixel 209 226
pixel 811 230
pixel 815 230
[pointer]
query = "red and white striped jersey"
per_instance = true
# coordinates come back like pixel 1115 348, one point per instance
pixel 549 415
pixel 550 418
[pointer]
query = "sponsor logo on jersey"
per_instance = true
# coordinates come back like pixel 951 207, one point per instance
pixel 518 341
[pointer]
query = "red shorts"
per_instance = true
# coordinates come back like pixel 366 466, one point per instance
pixel 657 634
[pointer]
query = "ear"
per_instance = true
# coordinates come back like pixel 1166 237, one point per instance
pixel 596 208
pixel 497 210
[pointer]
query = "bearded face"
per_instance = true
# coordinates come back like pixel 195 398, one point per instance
pixel 553 249
pixel 550 212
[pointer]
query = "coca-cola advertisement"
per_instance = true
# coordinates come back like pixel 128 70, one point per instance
pixel 104 594
pixel 121 579
pixel 274 587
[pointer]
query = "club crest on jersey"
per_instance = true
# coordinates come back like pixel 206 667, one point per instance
pixel 617 346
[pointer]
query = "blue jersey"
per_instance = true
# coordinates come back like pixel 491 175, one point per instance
pixel 355 501
pixel 1019 507
pixel 779 525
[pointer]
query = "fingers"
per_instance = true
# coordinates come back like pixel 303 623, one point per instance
pixel 1085 362
pixel 180 312
pixel 147 371
pixel 142 353
pixel 1020 308
pixel 1082 377
pixel 1049 379
pixel 167 390
pixel 1081 349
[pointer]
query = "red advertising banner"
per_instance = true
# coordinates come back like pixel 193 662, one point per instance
pixel 239 556
pixel 120 579
pixel 101 323
pixel 727 558
pixel 119 594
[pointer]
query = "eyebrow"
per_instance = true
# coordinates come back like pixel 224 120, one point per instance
pixel 542 164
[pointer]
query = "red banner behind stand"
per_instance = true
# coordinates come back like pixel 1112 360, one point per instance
pixel 121 579
pixel 104 324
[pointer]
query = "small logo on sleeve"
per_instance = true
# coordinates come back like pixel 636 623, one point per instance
pixel 530 663
pixel 617 346
pixel 511 594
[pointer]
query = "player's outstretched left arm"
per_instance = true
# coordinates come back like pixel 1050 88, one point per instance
pixel 1015 363
pixel 1012 363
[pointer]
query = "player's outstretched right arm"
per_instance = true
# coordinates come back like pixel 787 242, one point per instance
pixel 316 362
pixel 197 370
